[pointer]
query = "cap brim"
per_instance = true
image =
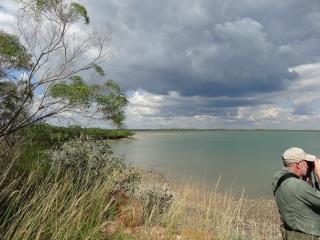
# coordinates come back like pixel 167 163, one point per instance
pixel 310 157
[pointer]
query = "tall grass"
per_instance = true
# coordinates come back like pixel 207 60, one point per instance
pixel 70 201
pixel 56 208
pixel 199 213
pixel 59 205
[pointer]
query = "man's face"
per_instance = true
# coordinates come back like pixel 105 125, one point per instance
pixel 303 166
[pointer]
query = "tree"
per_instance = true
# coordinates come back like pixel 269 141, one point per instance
pixel 46 66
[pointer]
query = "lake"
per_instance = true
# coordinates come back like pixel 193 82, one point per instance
pixel 243 159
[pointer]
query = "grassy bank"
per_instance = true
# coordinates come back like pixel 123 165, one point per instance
pixel 73 187
pixel 65 197
pixel 202 213
pixel 220 215
pixel 58 208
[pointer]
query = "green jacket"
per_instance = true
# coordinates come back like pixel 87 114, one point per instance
pixel 298 203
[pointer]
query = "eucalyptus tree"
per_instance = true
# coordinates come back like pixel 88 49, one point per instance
pixel 52 65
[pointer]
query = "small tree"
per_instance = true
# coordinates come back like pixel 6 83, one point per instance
pixel 43 67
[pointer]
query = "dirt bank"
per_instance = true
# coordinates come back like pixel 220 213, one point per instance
pixel 256 218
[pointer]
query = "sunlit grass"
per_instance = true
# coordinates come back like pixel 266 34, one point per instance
pixel 57 208
pixel 53 209
pixel 199 213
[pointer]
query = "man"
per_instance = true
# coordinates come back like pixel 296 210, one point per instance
pixel 298 201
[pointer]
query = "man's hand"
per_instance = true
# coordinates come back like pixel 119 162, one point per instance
pixel 317 168
pixel 308 179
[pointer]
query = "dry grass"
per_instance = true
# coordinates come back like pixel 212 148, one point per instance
pixel 58 209
pixel 199 213
pixel 53 209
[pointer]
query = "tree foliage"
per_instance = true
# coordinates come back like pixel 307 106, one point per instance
pixel 71 11
pixel 51 66
pixel 109 99
pixel 13 55
pixel 81 10
pixel 112 104
pixel 76 92
pixel 11 98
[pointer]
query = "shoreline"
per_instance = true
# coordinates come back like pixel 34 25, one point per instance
pixel 258 216
pixel 223 129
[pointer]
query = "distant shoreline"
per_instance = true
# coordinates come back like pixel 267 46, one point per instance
pixel 222 129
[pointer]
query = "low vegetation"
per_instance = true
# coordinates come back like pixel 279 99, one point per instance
pixel 55 135
pixel 31 144
pixel 75 188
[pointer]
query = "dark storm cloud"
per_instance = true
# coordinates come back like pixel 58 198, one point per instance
pixel 209 48
pixel 175 105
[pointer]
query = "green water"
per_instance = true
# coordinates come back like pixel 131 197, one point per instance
pixel 243 159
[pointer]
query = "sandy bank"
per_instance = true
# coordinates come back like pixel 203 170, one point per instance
pixel 256 218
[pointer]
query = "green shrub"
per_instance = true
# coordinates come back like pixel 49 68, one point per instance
pixel 89 160
pixel 156 201
pixel 31 150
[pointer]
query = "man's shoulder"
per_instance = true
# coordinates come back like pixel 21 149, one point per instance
pixel 279 173
pixel 296 186
pixel 276 176
pixel 294 182
pixel 285 177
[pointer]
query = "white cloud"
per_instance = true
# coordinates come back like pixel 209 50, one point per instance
pixel 293 109
pixel 260 113
pixel 7 17
pixel 305 91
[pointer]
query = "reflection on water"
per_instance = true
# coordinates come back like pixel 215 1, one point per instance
pixel 243 159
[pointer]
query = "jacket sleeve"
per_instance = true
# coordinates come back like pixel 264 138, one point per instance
pixel 308 194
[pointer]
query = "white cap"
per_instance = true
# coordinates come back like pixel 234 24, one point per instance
pixel 295 154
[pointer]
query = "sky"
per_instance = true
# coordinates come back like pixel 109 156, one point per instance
pixel 211 63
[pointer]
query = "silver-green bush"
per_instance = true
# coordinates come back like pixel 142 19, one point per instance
pixel 87 160
pixel 156 201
